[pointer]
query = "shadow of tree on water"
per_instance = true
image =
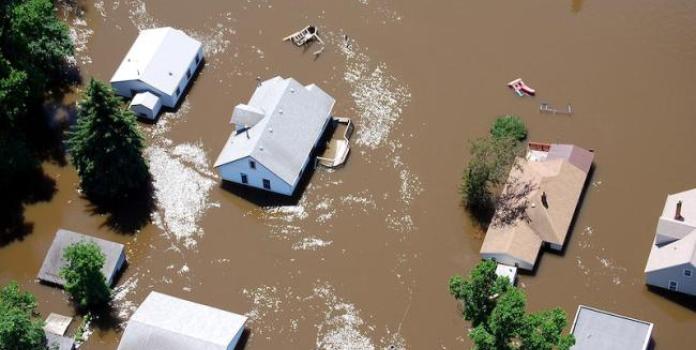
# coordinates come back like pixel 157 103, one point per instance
pixel 34 187
pixel 130 213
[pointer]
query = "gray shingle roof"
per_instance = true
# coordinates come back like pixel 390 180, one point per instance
pixel 295 118
pixel 596 329
pixel 54 261
pixel 57 342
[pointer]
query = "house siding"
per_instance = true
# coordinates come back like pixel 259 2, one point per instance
pixel 661 278
pixel 233 172
pixel 508 260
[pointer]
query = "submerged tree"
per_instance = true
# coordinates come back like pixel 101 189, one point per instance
pixel 488 168
pixel 83 277
pixel 497 311
pixel 475 291
pixel 106 147
pixel 19 328
pixel 510 126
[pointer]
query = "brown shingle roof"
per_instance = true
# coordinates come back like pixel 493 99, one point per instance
pixel 523 220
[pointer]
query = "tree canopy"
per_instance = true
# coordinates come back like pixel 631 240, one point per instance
pixel 83 277
pixel 106 146
pixel 497 311
pixel 488 168
pixel 34 45
pixel 510 126
pixel 19 328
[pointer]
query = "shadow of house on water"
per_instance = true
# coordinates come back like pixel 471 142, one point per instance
pixel 684 300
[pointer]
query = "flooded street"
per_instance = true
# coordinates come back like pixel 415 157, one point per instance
pixel 361 260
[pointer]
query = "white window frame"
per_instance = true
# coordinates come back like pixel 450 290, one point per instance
pixel 676 286
pixel 690 273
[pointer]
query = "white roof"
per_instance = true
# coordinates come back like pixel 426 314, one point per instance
pixel 675 241
pixel 159 57
pixel 508 271
pixel 294 120
pixel 146 99
pixel 672 254
pixel 163 322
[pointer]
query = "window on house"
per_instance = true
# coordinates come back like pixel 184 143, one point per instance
pixel 177 92
pixel 267 184
pixel 687 272
pixel 245 179
pixel 673 285
pixel 252 164
pixel 198 58
pixel 188 74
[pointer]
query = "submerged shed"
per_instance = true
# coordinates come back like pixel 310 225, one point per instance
pixel 54 261
pixel 163 322
pixel 59 342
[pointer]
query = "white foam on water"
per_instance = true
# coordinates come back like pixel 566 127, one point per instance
pixel 194 155
pixel 342 327
pixel 379 97
pixel 122 304
pixel 311 243
pixel 139 16
pixel 182 193
pixel 80 34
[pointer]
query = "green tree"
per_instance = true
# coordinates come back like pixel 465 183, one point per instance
pixel 19 328
pixel 83 277
pixel 106 146
pixel 478 292
pixel 510 126
pixel 497 312
pixel 488 168
pixel 508 319
pixel 35 40
pixel 542 331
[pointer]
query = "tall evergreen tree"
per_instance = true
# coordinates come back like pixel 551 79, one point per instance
pixel 19 329
pixel 84 279
pixel 106 147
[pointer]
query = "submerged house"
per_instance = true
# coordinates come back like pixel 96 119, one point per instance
pixel 672 261
pixel 275 135
pixel 163 322
pixel 537 204
pixel 114 254
pixel 596 329
pixel 157 69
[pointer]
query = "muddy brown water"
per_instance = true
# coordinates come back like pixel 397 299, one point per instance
pixel 362 259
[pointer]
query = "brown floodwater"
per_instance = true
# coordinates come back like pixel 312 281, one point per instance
pixel 361 259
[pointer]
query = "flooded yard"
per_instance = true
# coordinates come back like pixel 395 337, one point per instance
pixel 361 259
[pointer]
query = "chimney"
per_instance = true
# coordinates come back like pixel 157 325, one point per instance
pixel 543 200
pixel 677 215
